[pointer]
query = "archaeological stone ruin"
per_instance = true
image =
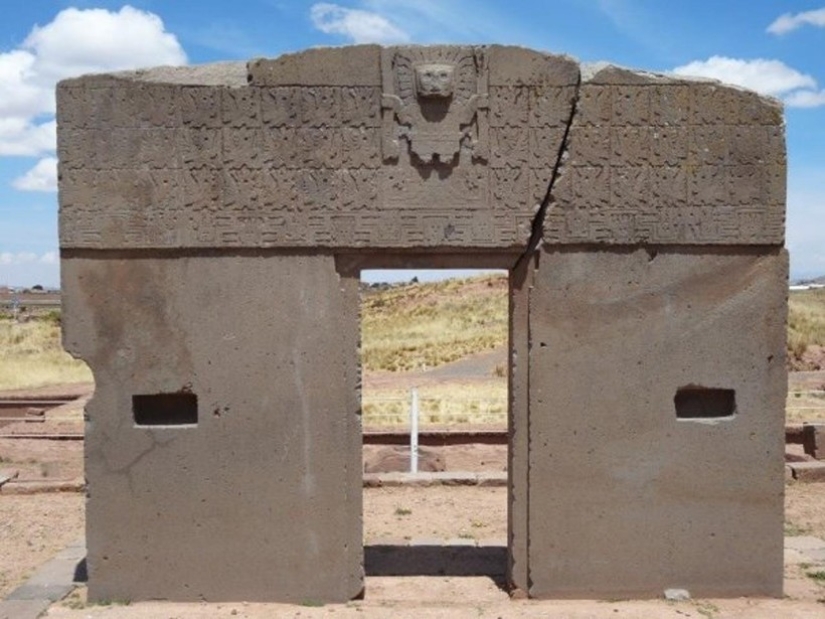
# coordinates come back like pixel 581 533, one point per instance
pixel 213 224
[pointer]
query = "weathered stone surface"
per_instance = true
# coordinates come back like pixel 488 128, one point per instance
pixel 355 65
pixel 213 224
pixel 265 488
pixel 313 155
pixel 808 471
pixel 813 438
pixel 338 147
pixel 613 473
pixel 657 160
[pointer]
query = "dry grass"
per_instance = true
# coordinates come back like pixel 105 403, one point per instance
pixel 439 404
pixel 31 356
pixel 804 514
pixel 804 406
pixel 806 324
pixel 419 326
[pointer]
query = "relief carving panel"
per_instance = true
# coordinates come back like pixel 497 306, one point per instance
pixel 452 146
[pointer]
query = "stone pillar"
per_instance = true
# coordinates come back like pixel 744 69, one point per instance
pixel 642 477
pixel 223 442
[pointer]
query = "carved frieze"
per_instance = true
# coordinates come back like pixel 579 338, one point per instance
pixel 422 146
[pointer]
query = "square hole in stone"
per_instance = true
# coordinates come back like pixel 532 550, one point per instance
pixel 695 402
pixel 165 409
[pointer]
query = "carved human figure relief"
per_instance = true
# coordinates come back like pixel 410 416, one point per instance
pixel 434 103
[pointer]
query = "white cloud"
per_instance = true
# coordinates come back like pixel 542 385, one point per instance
pixel 28 268
pixel 768 77
pixel 18 95
pixel 42 177
pixel 75 42
pixel 50 257
pixel 85 41
pixel 22 137
pixel 806 98
pixel 789 21
pixel 358 25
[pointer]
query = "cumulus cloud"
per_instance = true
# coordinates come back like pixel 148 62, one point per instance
pixel 355 24
pixel 25 138
pixel 75 42
pixel 789 21
pixel 18 94
pixel 42 177
pixel 768 77
pixel 86 41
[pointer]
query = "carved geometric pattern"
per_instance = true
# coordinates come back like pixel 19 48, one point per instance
pixel 670 163
pixel 149 164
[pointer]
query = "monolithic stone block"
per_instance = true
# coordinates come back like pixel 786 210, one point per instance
pixel 677 474
pixel 203 211
pixel 675 162
pixel 223 441
pixel 813 438
pixel 356 65
pixel 326 148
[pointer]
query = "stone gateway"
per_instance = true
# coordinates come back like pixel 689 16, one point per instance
pixel 213 224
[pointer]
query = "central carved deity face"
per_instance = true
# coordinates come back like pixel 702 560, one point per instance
pixel 434 80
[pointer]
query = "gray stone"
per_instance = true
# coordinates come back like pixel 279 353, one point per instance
pixel 655 491
pixel 808 471
pixel 356 65
pixel 656 160
pixel 213 224
pixel 268 481
pixel 677 595
pixel 813 438
pixel 23 609
pixel 6 475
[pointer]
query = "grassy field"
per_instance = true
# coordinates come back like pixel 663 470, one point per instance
pixel 31 355
pixel 418 326
pixel 806 324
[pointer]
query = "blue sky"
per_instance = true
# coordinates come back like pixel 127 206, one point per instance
pixel 777 48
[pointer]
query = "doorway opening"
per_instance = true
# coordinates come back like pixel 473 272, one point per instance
pixel 435 418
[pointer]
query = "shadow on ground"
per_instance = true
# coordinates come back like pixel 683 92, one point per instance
pixel 437 560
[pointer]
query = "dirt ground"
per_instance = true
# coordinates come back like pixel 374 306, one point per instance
pixel 33 528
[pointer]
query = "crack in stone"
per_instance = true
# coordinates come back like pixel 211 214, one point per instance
pixel 537 229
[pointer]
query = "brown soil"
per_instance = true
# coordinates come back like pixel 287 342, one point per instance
pixel 813 359
pixel 804 381
pixel 473 458
pixel 805 509
pixel 39 460
pixel 436 512
pixel 33 529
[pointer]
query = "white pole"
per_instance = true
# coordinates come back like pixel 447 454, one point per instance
pixel 414 430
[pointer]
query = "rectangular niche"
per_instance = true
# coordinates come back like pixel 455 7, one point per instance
pixel 165 409
pixel 695 402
